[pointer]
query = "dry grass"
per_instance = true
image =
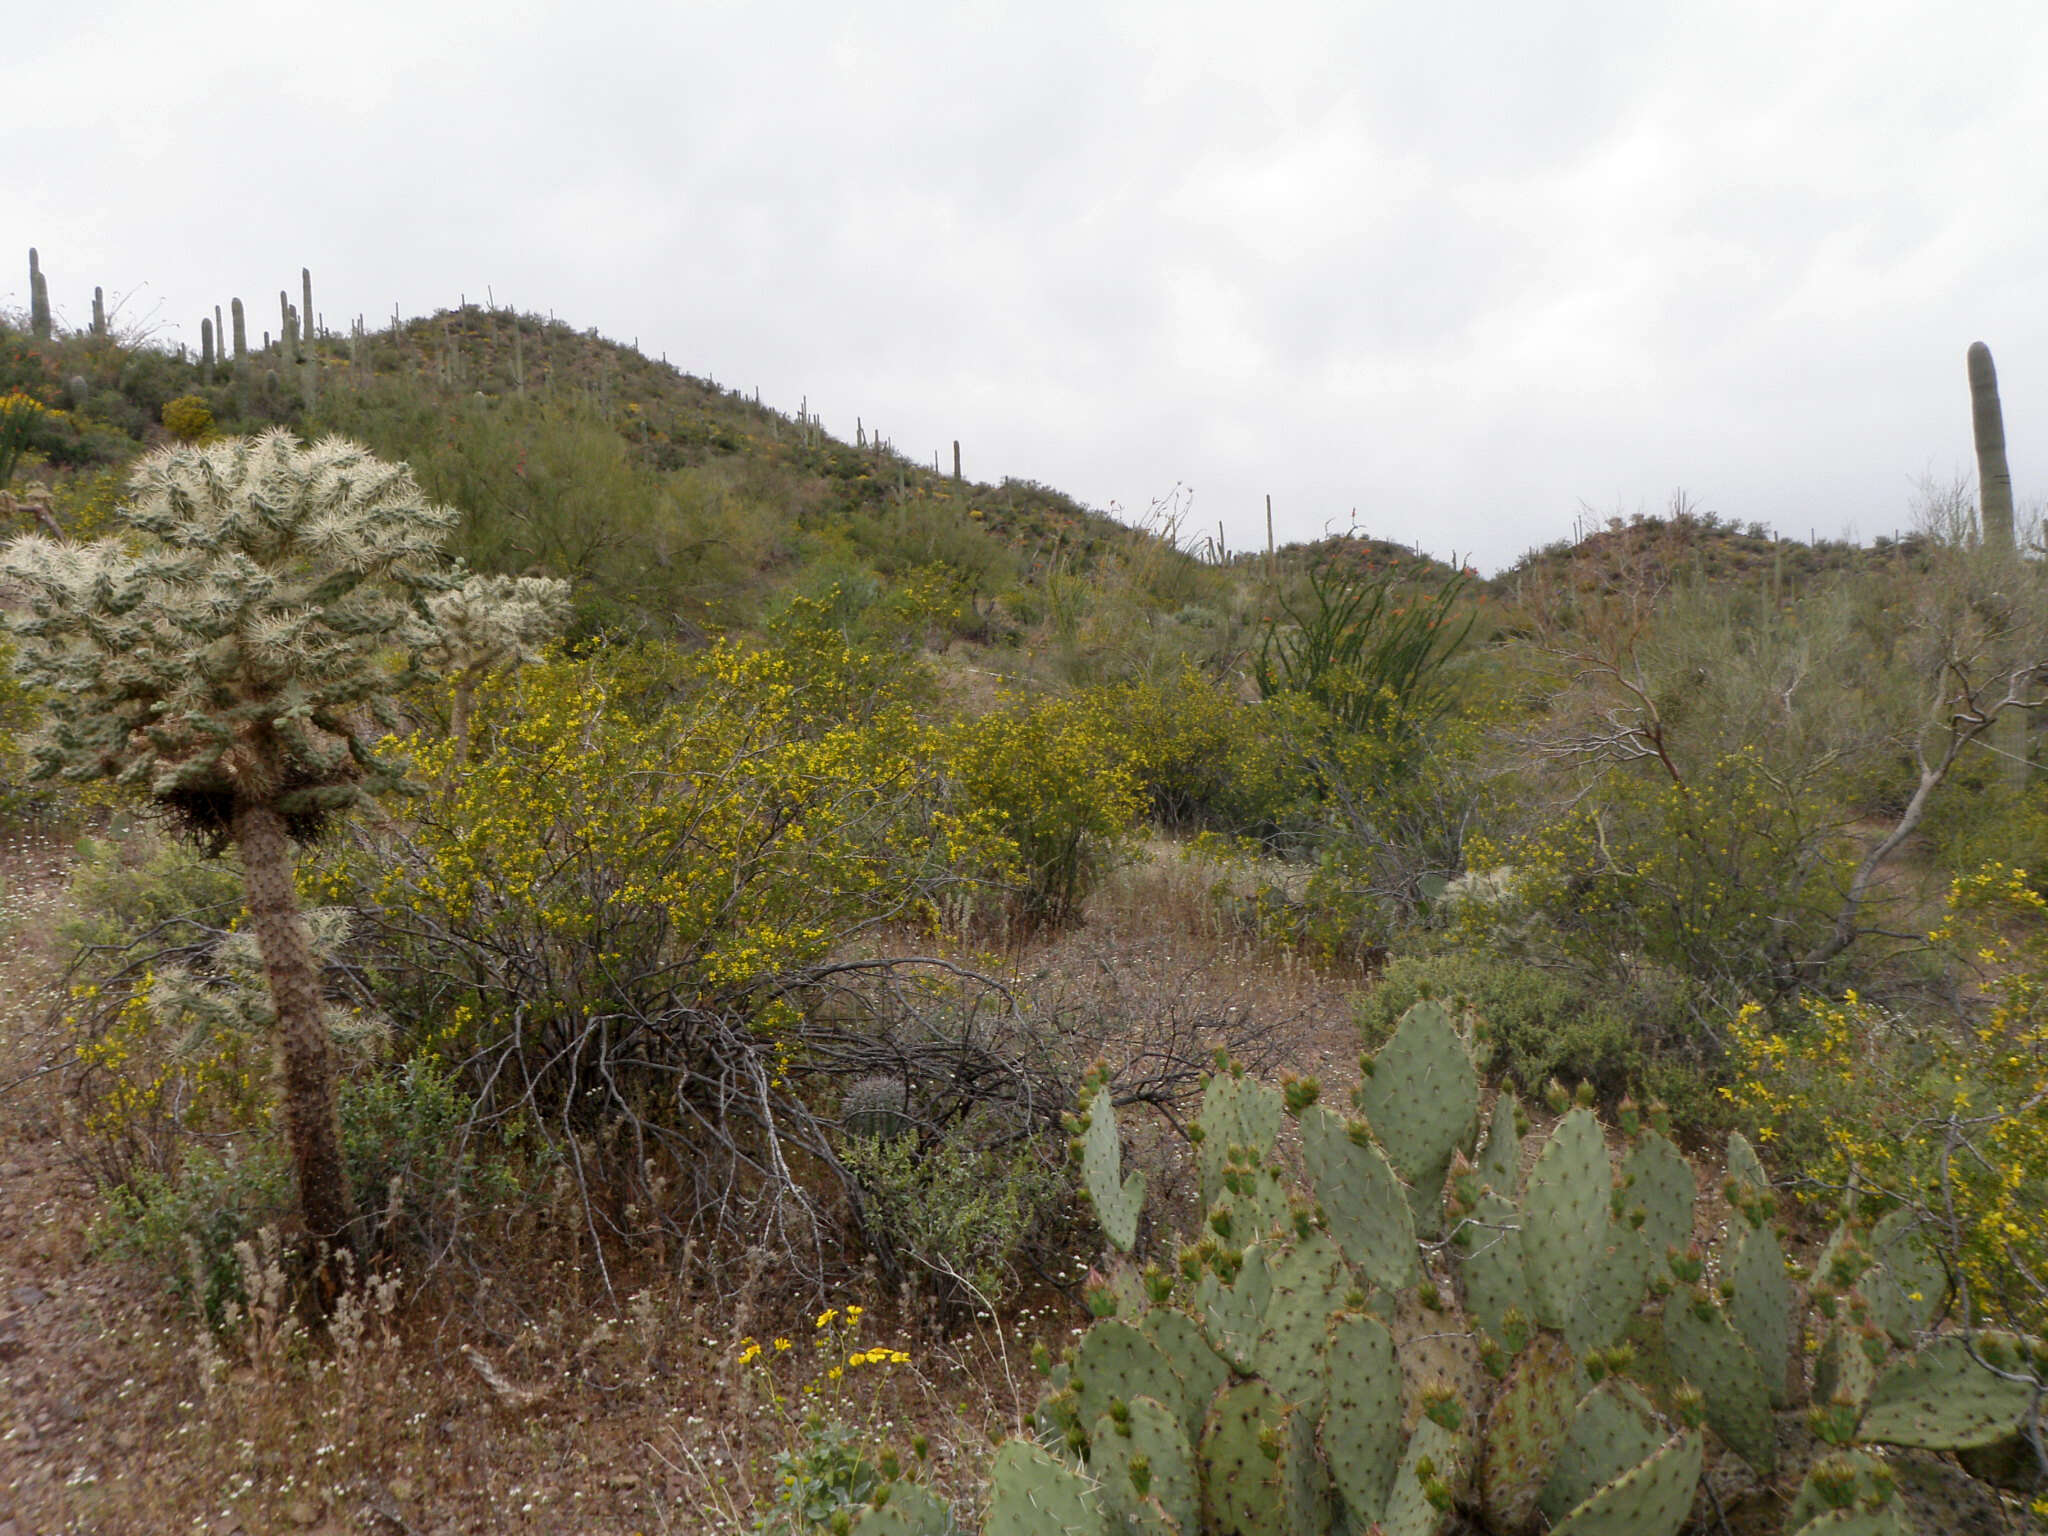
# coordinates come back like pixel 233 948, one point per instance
pixel 519 1395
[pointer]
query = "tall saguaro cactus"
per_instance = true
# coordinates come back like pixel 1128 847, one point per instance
pixel 1987 425
pixel 38 297
pixel 228 670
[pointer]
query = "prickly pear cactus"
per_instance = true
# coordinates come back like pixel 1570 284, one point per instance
pixel 1258 1466
pixel 1033 1493
pixel 1238 1112
pixel 1421 1097
pixel 1649 1500
pixel 903 1509
pixel 1706 1351
pixel 1526 1429
pixel 1118 1199
pixel 1362 1437
pixel 1954 1394
pixel 1564 1217
pixel 1615 1428
pixel 1141 1456
pixel 1848 1492
pixel 1364 1203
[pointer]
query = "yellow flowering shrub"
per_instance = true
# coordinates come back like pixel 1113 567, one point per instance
pixel 1946 1116
pixel 596 858
pixel 1055 781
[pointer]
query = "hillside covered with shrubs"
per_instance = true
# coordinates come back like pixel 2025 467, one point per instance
pixel 589 956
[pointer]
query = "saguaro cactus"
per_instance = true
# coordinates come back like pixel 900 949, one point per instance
pixel 206 346
pixel 1987 425
pixel 99 313
pixel 306 309
pixel 228 669
pixel 38 297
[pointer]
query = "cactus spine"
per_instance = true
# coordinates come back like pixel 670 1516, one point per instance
pixel 38 297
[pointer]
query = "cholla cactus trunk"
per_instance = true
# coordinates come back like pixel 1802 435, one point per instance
pixel 1987 425
pixel 304 1044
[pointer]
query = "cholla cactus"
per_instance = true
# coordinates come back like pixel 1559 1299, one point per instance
pixel 490 622
pixel 229 997
pixel 223 663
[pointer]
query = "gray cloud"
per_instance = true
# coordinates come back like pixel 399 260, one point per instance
pixel 1459 268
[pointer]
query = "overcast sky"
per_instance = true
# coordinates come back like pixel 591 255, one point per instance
pixel 1454 268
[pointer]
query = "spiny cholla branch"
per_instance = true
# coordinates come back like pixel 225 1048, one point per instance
pixel 222 659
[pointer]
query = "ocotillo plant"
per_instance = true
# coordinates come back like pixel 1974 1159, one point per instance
pixel 38 297
pixel 227 669
pixel 1987 426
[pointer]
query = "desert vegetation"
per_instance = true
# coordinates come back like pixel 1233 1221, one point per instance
pixel 584 956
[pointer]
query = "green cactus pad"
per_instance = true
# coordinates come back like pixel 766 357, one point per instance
pixel 1657 1178
pixel 1761 1306
pixel 1908 1288
pixel 1490 1271
pixel 1187 1349
pixel 1236 1112
pixel 1118 1199
pixel 1744 1166
pixel 1116 1361
pixel 1649 1500
pixel 1940 1399
pixel 1256 1206
pixel 1613 1290
pixel 1232 1315
pixel 1409 1510
pixel 1362 1426
pixel 1422 1100
pixel 1500 1163
pixel 1153 1430
pixel 1526 1429
pixel 909 1510
pixel 1362 1200
pixel 1614 1429
pixel 1032 1493
pixel 1564 1216
pixel 1842 1371
pixel 1309 1281
pixel 1856 1480
pixel 1708 1352
pixel 1886 1520
pixel 1258 1465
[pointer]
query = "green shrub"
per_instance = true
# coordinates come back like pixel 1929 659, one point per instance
pixel 958 1213
pixel 1628 1035
pixel 185 1226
